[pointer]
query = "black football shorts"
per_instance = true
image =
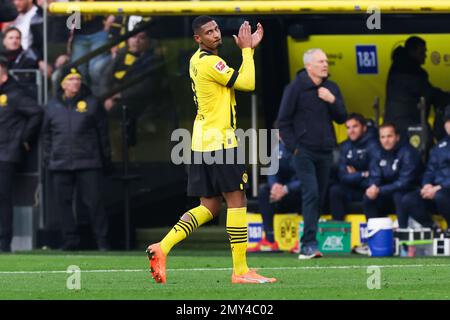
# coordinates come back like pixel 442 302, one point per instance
pixel 207 179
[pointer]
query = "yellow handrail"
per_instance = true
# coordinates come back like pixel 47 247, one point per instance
pixel 154 8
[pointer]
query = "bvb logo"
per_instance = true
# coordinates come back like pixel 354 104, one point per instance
pixel 3 100
pixel 81 106
pixel 245 177
pixel 415 141
pixel 288 231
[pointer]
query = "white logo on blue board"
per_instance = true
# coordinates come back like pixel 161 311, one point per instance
pixel 395 165
pixel 255 232
pixel 333 243
pixel 366 59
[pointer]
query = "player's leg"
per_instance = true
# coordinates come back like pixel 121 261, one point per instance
pixel 237 230
pixel 199 185
pixel 191 220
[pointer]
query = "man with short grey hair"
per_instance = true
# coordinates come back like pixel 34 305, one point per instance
pixel 308 108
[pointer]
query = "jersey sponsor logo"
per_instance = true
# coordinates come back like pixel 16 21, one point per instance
pixel 81 106
pixel 245 177
pixel 395 165
pixel 3 100
pixel 414 140
pixel 443 144
pixel 221 67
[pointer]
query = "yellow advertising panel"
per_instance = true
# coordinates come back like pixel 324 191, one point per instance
pixel 359 64
pixel 285 227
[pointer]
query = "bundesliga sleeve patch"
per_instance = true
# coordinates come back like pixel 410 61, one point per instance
pixel 221 67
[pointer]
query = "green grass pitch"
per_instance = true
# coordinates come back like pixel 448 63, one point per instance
pixel 206 275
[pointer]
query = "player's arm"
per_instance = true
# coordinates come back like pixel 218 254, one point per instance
pixel 245 78
pixel 220 72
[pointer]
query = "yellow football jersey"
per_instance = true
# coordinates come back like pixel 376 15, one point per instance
pixel 213 83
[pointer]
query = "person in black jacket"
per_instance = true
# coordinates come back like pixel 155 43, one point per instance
pixel 407 82
pixel 434 195
pixel 139 59
pixel 30 22
pixel 76 148
pixel 20 119
pixel 353 170
pixel 310 104
pixel 395 171
pixel 19 59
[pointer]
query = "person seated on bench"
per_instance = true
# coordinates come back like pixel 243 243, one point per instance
pixel 434 196
pixel 355 154
pixel 395 171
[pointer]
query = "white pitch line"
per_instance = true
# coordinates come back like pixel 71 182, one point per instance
pixel 229 269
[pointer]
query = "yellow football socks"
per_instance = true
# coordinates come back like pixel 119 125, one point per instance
pixel 182 229
pixel 237 233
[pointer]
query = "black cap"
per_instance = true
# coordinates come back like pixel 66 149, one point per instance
pixel 65 72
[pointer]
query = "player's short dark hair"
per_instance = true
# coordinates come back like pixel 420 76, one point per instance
pixel 389 125
pixel 10 29
pixel 199 22
pixel 357 117
pixel 414 42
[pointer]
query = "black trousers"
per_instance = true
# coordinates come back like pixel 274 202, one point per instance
pixel 313 169
pixel 87 183
pixel 288 204
pixel 341 195
pixel 421 209
pixel 386 204
pixel 7 170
